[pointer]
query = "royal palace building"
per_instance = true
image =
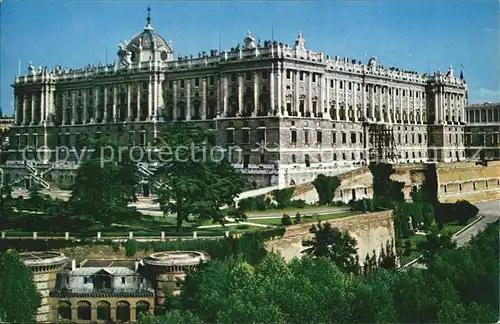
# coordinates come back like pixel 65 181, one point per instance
pixel 293 112
pixel 483 131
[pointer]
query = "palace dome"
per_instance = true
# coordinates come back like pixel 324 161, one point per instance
pixel 148 39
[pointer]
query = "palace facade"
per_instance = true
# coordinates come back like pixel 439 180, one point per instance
pixel 483 131
pixel 294 112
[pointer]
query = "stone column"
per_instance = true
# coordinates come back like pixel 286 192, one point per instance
pixel 42 105
pixel 25 109
pixel 283 88
pixel 204 99
pixel 129 101
pixel 309 94
pixel 85 117
pixel 240 94
pixel 73 107
pixel 363 100
pixel 188 99
pixel 150 99
pixel 327 94
pixel 33 100
pixel 97 114
pixel 256 91
pixel 456 103
pixel 105 113
pixel 138 113
pixel 297 94
pixel 436 106
pixel 174 111
pixel 271 92
pixel 322 96
pixel 441 108
pixel 354 93
pixel 337 98
pixel 218 95
pixel 16 109
pixel 115 102
pixel 279 84
pixel 414 106
pixel 225 91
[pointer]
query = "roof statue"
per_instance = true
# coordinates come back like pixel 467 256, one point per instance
pixel 450 72
pixel 372 62
pixel 31 69
pixel 300 42
pixel 249 41
pixel 124 54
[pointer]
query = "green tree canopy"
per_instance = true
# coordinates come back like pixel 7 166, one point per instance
pixel 105 184
pixel 333 244
pixel 325 187
pixel 197 180
pixel 18 294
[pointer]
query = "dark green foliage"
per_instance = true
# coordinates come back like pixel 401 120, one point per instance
pixel 283 197
pixel 286 220
pixel 298 219
pixel 254 203
pixel 461 212
pixel 333 244
pixel 386 190
pixel 195 182
pixel 104 185
pixel 130 248
pixel 325 187
pixel 407 250
pixel 420 214
pixel 435 242
pixel 363 205
pixel 18 293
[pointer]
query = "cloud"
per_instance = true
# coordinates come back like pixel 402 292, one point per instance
pixel 487 29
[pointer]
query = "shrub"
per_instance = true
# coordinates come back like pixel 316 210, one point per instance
pixel 407 250
pixel 465 211
pixel 286 220
pixel 325 187
pixel 298 219
pixel 299 203
pixel 130 248
pixel 283 197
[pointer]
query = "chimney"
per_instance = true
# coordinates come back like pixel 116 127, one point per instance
pixel 73 265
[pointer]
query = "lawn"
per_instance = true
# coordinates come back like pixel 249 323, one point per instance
pixel 293 210
pixel 305 219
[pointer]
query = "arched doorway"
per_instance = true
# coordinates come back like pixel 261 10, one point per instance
pixel 141 307
pixel 123 311
pixel 64 310
pixel 145 190
pixel 83 311
pixel 103 311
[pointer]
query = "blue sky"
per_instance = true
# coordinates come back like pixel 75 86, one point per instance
pixel 415 35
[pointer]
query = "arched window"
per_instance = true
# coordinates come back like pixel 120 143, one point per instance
pixel 103 310
pixel 83 311
pixel 141 307
pixel 64 310
pixel 123 311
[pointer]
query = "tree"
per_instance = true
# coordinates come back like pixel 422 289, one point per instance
pixel 196 180
pixel 435 242
pixel 325 187
pixel 105 184
pixel 333 244
pixel 386 190
pixel 18 293
pixel 174 316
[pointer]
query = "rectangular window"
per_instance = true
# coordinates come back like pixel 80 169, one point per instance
pixel 288 74
pixel 246 136
pixel 294 136
pixel 229 136
pixel 261 135
pixel 123 280
pixel 301 76
pixel 319 136
pixel 353 138
pixel 196 82
pixel 249 75
pixel 294 158
pixel 85 280
pixel 313 77
pixel 334 138
pixel 246 160
pixel 211 80
pixel 233 77
pixel 262 159
pixel 306 136
pixel 331 83
pixel 341 85
pixel 344 138
pixel 182 84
